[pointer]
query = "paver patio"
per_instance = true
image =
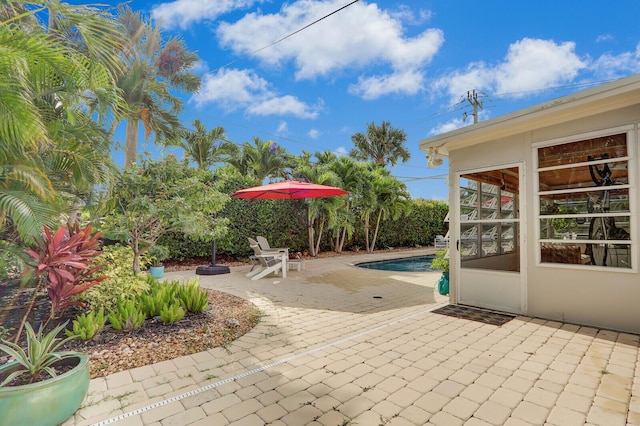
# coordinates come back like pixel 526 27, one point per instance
pixel 328 353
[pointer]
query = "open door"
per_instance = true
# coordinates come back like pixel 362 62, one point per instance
pixel 489 239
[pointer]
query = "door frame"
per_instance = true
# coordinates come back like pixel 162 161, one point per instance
pixel 522 240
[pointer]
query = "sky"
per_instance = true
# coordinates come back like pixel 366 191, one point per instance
pixel 309 74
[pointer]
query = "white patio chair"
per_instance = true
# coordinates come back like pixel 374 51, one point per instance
pixel 470 233
pixel 265 247
pixel 470 200
pixel 490 248
pixel 440 242
pixel 469 250
pixel 269 263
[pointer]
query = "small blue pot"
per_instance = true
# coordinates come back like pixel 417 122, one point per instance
pixel 157 271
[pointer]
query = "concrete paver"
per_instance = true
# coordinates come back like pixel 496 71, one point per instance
pixel 344 345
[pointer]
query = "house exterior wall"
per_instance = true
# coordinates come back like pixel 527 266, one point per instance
pixel 608 299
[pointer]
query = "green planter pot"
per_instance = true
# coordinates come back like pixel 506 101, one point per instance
pixel 156 271
pixel 49 402
pixel 443 284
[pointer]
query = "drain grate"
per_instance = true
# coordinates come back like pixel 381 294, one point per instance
pixel 474 314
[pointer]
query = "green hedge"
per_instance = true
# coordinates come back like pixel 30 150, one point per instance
pixel 283 223
pixel 420 228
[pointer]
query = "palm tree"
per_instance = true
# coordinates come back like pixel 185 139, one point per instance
pixel 52 76
pixel 153 70
pixel 206 148
pixel 322 213
pixel 353 175
pixel 385 198
pixel 384 145
pixel 261 160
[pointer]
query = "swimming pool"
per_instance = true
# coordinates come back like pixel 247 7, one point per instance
pixel 404 264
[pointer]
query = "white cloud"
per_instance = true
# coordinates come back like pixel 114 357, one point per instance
pixel 530 64
pixel 356 38
pixel 409 15
pixel 235 89
pixel 314 133
pixel 283 105
pixel 282 128
pixel 231 89
pixel 454 124
pixel 457 123
pixel 182 13
pixel 341 151
pixel 610 66
pixel 537 64
pixel 409 82
pixel 604 37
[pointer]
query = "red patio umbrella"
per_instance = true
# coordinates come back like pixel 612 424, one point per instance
pixel 288 189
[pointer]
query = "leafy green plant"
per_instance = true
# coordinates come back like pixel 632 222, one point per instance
pixel 40 355
pixel 159 296
pixel 441 262
pixel 171 313
pixel 158 253
pixel 88 325
pixel 122 283
pixel 192 297
pixel 157 197
pixel 127 316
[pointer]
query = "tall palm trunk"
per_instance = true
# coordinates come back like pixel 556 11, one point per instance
pixel 366 232
pixel 344 236
pixel 131 142
pixel 316 249
pixel 312 244
pixel 375 233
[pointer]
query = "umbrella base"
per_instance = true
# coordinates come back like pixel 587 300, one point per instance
pixel 212 270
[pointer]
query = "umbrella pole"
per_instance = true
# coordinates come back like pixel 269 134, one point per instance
pixel 212 269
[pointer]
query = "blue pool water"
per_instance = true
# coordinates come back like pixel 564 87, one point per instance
pixel 405 264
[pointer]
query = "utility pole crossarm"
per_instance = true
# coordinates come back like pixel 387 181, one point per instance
pixel 472 98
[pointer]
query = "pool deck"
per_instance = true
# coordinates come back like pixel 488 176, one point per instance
pixel 341 345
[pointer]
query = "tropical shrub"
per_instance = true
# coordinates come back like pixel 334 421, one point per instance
pixel 87 325
pixel 441 261
pixel 192 297
pixel 158 197
pixel 172 313
pixel 159 296
pixel 127 316
pixel 63 262
pixel 63 265
pixel 122 283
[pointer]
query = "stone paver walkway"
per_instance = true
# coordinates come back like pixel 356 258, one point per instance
pixel 339 345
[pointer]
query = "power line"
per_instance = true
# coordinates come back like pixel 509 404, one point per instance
pixel 290 34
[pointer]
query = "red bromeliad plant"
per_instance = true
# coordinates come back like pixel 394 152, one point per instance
pixel 64 266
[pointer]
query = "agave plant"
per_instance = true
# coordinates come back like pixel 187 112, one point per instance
pixel 40 354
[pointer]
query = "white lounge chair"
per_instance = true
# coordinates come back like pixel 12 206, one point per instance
pixel 470 200
pixel 441 242
pixel 470 233
pixel 265 247
pixel 269 263
pixel 298 263
pixel 469 250
pixel 490 248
